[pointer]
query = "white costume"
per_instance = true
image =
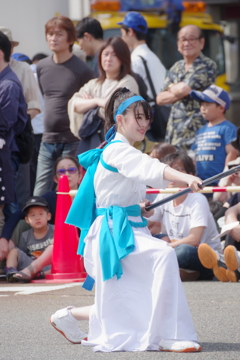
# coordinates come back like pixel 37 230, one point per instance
pixel 147 303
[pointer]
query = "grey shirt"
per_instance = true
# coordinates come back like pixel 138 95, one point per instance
pixel 34 247
pixel 58 83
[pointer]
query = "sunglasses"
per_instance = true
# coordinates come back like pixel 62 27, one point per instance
pixel 71 171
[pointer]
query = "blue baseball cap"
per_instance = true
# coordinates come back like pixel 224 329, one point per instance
pixel 20 57
pixel 135 21
pixel 213 94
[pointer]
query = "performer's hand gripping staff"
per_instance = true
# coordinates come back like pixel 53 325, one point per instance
pixel 194 185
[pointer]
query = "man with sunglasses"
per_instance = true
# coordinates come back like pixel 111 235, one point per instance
pixel 194 72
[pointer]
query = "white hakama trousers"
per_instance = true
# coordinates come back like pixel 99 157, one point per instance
pixel 146 305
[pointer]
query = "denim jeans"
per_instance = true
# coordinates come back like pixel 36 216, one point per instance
pixel 48 154
pixel 187 256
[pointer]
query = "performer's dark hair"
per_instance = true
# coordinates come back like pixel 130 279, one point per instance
pixel 184 158
pixel 118 96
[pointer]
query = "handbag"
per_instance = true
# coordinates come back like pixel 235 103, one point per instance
pixel 160 112
pixel 91 131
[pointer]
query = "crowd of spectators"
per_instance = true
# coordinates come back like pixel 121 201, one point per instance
pixel 64 99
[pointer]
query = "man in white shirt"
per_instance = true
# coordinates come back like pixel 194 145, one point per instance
pixel 186 222
pixel 134 32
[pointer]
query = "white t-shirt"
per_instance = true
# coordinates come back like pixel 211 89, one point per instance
pixel 155 67
pixel 177 221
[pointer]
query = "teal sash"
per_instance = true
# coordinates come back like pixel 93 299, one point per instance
pixel 114 244
pixel 83 210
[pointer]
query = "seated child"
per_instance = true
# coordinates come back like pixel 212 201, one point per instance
pixel 187 222
pixel 32 243
pixel 212 145
pixel 66 165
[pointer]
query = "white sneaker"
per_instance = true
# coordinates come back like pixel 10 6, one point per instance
pixel 179 346
pixel 64 322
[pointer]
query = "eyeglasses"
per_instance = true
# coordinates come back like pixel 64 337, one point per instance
pixel 71 171
pixel 191 41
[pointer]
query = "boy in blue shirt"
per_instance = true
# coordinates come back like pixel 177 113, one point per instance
pixel 213 141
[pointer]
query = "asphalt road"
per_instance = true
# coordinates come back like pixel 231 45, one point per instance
pixel 26 333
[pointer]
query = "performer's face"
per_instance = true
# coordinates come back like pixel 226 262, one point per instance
pixel 132 126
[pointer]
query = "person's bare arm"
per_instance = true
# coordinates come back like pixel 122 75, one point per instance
pixel 193 238
pixel 4 248
pixel 174 93
pixel 230 180
pixel 83 105
pixel 154 227
pixel 33 112
pixel 166 97
pixel 86 103
pixel 231 215
pixel 180 90
pixel 174 175
pixel 232 153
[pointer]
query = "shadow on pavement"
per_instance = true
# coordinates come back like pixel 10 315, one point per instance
pixel 215 347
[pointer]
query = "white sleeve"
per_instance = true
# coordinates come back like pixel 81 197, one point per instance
pixel 200 211
pixel 135 165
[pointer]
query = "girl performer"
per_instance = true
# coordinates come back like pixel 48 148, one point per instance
pixel 139 299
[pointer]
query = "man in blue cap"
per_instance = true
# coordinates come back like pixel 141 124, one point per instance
pixel 213 141
pixel 134 32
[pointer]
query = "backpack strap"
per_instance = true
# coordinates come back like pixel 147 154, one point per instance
pixel 149 78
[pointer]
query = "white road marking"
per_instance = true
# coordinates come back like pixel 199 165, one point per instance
pixel 26 290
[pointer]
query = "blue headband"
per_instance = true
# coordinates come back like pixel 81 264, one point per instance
pixel 122 107
pixel 125 104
